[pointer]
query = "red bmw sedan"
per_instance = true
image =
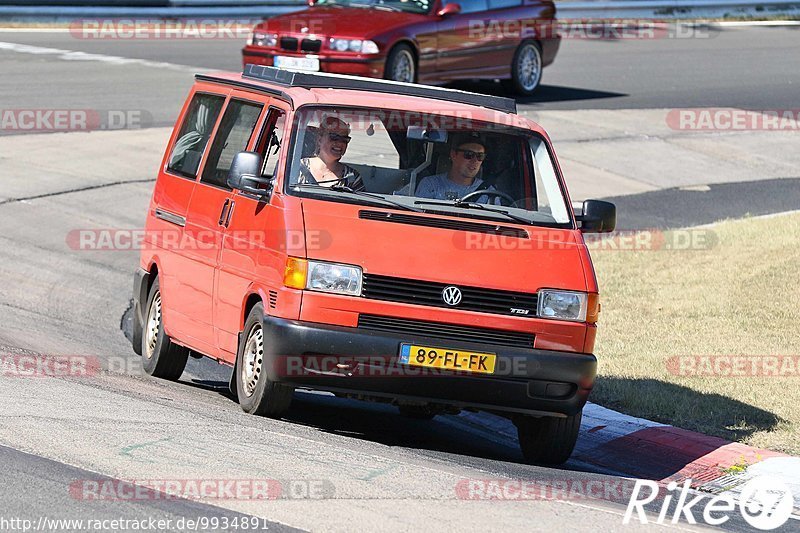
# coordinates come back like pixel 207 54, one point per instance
pixel 414 41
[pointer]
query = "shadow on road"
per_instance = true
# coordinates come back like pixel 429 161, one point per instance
pixel 544 94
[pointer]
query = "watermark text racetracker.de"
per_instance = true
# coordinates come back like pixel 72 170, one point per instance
pixel 128 29
pixel 106 489
pixel 192 238
pixel 733 119
pixel 50 120
pixel 734 366
pixel 67 366
pixel 586 29
pixel 633 240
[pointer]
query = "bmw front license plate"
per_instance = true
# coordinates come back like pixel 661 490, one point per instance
pixel 296 63
pixel 448 359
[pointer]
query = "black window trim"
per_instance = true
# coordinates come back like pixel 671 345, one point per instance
pixel 230 98
pixel 196 178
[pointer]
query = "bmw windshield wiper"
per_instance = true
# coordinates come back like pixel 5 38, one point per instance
pixel 476 205
pixel 349 190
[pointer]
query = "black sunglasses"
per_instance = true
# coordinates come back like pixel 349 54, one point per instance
pixel 336 137
pixel 469 155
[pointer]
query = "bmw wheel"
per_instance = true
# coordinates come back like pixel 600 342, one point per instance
pixel 400 66
pixel 526 69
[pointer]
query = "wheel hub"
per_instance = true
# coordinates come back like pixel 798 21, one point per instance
pixel 252 359
pixel 153 326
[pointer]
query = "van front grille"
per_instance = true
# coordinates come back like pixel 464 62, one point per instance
pixel 429 293
pixel 414 329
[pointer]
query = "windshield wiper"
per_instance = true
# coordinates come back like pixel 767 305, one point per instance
pixel 481 207
pixel 345 188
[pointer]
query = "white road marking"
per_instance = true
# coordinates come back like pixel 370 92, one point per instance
pixel 72 55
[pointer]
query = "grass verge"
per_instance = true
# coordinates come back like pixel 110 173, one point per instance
pixel 737 294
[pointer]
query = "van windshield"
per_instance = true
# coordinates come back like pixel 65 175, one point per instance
pixel 424 162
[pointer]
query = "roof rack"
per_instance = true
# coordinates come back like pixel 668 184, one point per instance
pixel 309 80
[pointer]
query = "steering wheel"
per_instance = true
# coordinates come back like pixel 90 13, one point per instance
pixel 486 192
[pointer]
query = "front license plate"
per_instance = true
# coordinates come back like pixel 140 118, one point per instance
pixel 297 63
pixel 428 356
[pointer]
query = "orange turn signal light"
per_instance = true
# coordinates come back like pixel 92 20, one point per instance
pixel 593 308
pixel 296 273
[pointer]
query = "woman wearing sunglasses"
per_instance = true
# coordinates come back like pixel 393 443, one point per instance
pixel 467 152
pixel 325 167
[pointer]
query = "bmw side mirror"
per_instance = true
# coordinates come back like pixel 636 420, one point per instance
pixel 449 9
pixel 245 175
pixel 597 216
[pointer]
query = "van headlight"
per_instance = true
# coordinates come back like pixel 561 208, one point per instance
pixel 563 305
pixel 323 277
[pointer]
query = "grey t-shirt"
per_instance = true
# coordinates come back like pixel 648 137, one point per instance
pixel 440 187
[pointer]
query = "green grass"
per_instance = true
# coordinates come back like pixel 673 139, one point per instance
pixel 738 297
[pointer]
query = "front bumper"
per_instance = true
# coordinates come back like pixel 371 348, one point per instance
pixel 364 363
pixel 372 67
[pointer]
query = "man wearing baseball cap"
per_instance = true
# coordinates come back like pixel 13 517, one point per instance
pixel 467 152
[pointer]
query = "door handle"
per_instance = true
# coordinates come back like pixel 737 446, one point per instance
pixel 224 214
pixel 230 213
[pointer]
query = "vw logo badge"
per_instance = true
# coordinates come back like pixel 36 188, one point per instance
pixel 451 295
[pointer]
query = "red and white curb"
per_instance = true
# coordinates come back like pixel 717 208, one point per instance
pixel 638 448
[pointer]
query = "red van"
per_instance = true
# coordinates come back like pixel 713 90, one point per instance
pixel 382 241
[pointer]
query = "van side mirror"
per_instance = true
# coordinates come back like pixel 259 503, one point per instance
pixel 245 175
pixel 597 216
pixel 449 9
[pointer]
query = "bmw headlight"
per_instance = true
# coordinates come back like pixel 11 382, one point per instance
pixel 353 45
pixel 335 278
pixel 258 38
pixel 563 305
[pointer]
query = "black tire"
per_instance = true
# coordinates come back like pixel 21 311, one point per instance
pixel 400 65
pixel 136 331
pixel 418 412
pixel 520 82
pixel 548 440
pixel 161 358
pixel 258 394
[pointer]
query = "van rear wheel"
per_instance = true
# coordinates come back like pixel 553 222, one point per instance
pixel 161 358
pixel 258 394
pixel 548 440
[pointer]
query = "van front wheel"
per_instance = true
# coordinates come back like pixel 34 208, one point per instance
pixel 258 394
pixel 548 440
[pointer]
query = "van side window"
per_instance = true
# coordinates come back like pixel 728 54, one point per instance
pixel 232 137
pixel 194 133
pixel 272 141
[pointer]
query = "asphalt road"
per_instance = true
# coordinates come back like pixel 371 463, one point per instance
pixel 753 68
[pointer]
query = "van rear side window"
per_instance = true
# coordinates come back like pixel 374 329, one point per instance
pixel 194 134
